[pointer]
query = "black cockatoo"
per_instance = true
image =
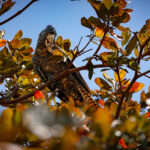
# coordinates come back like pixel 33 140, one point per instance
pixel 48 65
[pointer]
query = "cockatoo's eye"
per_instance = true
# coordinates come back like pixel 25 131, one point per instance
pixel 50 38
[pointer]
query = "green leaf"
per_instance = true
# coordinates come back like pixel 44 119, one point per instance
pixel 133 65
pixel 95 22
pixel 85 23
pixel 144 33
pixel 126 36
pixel 108 3
pixel 130 46
pixel 90 69
pixel 14 44
pixel 25 82
pixel 124 18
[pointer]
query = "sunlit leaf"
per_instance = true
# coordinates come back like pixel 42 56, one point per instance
pixel 122 74
pixel 108 3
pixel 103 84
pixel 110 44
pixel 3 42
pixel 136 87
pixel 126 36
pixel 99 32
pixel 59 41
pixel 130 46
pixel 18 35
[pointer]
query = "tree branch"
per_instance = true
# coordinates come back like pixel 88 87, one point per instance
pixel 18 13
pixel 59 76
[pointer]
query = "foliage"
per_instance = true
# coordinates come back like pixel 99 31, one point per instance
pixel 34 120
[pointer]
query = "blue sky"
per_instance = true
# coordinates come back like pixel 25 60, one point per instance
pixel 65 16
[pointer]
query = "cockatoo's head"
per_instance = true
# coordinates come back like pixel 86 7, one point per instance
pixel 48 34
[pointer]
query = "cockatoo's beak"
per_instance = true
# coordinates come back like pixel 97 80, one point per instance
pixel 50 38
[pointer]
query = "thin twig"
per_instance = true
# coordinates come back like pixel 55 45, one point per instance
pixel 144 74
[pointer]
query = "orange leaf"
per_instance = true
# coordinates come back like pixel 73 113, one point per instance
pixel 101 102
pixel 122 3
pixel 15 44
pixel 136 87
pixel 110 44
pixel 39 95
pixel 99 32
pixel 2 42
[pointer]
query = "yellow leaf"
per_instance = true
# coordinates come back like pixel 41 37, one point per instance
pixel 25 82
pixel 66 45
pixel 103 118
pixel 2 42
pixel 14 59
pixel 59 41
pixel 7 117
pixel 130 124
pixel 122 74
pixel 57 52
pixel 99 32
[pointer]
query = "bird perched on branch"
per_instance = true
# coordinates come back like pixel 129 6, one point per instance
pixel 48 65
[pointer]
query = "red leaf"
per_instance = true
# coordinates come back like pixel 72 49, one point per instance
pixel 122 143
pixel 38 95
pixel 101 102
pixel 147 115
